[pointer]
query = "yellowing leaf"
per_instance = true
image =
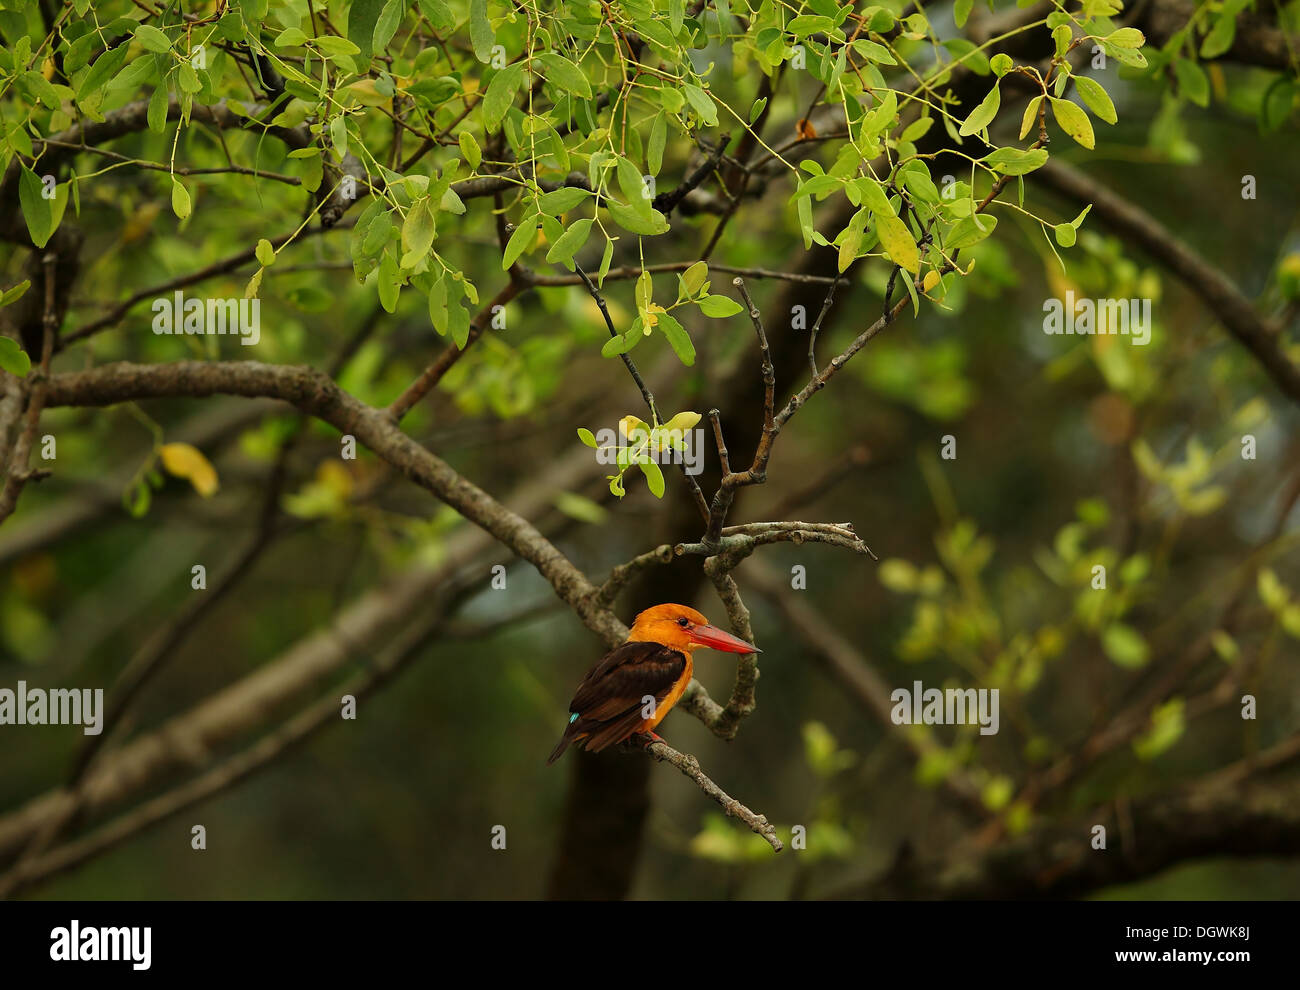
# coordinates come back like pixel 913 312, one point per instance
pixel 184 461
pixel 683 421
pixel 1074 122
pixel 630 426
pixel 897 241
pixel 332 474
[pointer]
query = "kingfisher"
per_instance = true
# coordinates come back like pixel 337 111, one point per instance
pixel 614 701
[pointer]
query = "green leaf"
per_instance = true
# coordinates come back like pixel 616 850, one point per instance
pixel 967 232
pixel 702 104
pixel 719 307
pixel 265 253
pixel 1013 161
pixel 1272 592
pixel 693 279
pixel 438 13
pixel 637 223
pixel 873 195
pixel 104 69
pixel 136 499
pixel 458 323
pixel 290 38
pixel 1221 36
pixel 13 358
pixel 480 30
pixel 570 243
pixel 1062 36
pixel 180 199
pixel 37 210
pixel 1276 106
pixel 151 39
pixel 621 344
pixel 1168 722
pixel 389 283
pixel 655 147
pixel 1065 234
pixel 566 75
pixel 390 18
pixel 1096 97
pixel 678 339
pixel 470 149
pixel 633 187
pixel 332 45
pixel 520 241
pixel 1126 38
pixel 41 89
pixel 1031 116
pixel 187 79
pixel 1192 82
pixel 983 114
pixel 1074 122
pixel 851 241
pixel 606 257
pixel 654 477
pixel 581 508
pixel 339 135
pixel 1127 56
pixel 1125 646
pixel 16 292
pixel 1225 646
pixel 156 116
pixel 418 231
pixel 587 437
pixel 501 94
pixel 362 16
pixel 561 200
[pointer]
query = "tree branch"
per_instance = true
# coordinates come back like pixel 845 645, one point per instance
pixel 690 766
pixel 1260 336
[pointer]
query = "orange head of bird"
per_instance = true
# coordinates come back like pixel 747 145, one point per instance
pixel 684 629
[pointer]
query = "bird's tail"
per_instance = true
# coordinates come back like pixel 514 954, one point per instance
pixel 569 736
pixel 560 747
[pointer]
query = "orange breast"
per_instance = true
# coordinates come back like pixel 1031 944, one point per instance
pixel 674 695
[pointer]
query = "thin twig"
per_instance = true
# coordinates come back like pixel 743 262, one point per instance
pixel 690 766
pixel 692 485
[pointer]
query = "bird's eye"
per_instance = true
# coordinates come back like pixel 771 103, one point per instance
pixel 683 622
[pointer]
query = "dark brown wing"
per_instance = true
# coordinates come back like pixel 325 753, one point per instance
pixel 607 707
pixel 624 677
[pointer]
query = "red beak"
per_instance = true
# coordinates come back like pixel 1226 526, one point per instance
pixel 715 639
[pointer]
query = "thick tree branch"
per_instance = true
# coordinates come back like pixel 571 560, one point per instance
pixel 1217 817
pixel 315 393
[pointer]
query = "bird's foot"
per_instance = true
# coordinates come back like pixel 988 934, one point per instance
pixel 654 737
